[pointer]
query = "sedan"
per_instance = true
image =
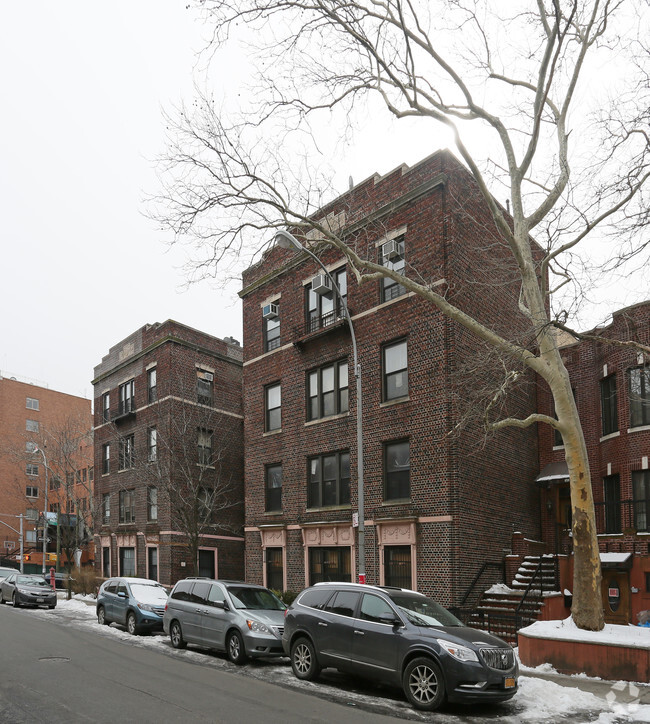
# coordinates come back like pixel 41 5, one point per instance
pixel 22 589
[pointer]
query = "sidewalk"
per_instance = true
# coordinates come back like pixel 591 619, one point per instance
pixel 621 692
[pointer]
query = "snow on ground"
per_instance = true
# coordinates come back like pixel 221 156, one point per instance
pixel 538 701
pixel 566 630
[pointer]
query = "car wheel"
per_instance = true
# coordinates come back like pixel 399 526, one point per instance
pixel 235 648
pixel 176 636
pixel 424 684
pixel 2 600
pixel 101 616
pixel 14 601
pixel 303 660
pixel 131 625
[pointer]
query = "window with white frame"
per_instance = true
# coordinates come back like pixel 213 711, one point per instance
pixel 152 503
pixel 395 371
pixel 204 447
pixel 31 469
pixel 32 403
pixel 31 491
pixel 31 425
pixel 127 506
pixel 126 452
pixel 273 407
pixel 127 397
pixel 152 444
pixel 327 390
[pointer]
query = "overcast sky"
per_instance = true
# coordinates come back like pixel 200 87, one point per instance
pixel 83 88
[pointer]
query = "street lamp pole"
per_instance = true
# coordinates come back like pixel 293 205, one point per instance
pixel 285 239
pixel 42 452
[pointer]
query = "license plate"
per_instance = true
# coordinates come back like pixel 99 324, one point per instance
pixel 510 683
pixel 40 600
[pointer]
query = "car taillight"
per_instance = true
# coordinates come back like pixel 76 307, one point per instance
pixel 165 607
pixel 285 612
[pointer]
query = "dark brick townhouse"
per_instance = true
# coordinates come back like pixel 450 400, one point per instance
pixel 169 455
pixel 611 384
pixel 438 505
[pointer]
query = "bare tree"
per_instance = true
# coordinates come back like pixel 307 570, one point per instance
pixel 562 135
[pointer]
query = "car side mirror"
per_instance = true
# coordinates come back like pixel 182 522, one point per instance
pixel 121 594
pixel 221 604
pixel 389 618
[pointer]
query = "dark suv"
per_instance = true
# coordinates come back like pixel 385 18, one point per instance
pixel 400 637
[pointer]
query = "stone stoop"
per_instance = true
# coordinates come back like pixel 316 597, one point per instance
pixel 496 608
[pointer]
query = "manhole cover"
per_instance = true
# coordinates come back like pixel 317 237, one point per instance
pixel 54 659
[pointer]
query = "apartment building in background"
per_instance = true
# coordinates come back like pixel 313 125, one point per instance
pixel 46 474
pixel 168 439
pixel 438 503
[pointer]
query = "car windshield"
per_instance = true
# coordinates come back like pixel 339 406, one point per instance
pixel 423 611
pixel 32 581
pixel 255 599
pixel 148 594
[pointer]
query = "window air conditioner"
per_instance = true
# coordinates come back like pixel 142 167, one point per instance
pixel 390 250
pixel 321 284
pixel 270 311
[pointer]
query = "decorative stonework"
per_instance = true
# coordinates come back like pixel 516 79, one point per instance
pixel 328 535
pixel 273 537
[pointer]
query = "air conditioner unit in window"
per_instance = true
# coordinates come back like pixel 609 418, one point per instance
pixel 321 284
pixel 270 311
pixel 390 250
pixel 207 376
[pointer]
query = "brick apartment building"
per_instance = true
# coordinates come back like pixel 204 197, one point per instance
pixel 611 384
pixel 438 505
pixel 169 455
pixel 41 428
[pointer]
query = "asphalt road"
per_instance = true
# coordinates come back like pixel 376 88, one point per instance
pixel 63 673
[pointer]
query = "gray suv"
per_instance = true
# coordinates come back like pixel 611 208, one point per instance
pixel 400 637
pixel 242 619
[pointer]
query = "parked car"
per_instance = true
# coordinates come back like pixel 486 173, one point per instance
pixel 137 603
pixel 400 637
pixel 242 619
pixel 23 589
pixel 4 572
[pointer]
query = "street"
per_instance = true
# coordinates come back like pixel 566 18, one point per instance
pixel 61 666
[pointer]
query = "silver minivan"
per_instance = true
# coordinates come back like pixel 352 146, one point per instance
pixel 242 619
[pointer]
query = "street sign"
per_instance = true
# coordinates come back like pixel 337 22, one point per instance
pixel 49 540
pixel 9 544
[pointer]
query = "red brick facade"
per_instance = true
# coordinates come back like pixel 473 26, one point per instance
pixel 35 415
pixel 186 387
pixel 465 494
pixel 618 445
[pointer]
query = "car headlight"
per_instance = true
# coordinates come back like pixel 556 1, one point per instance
pixel 257 627
pixel 145 607
pixel 462 653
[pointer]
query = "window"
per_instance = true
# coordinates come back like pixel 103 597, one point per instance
pixel 31 491
pixel 640 396
pixel 127 506
pixel 608 405
pixel 32 404
pixel 397 566
pixel 106 459
pixel 375 609
pixel 84 475
pixel 343 603
pixel 395 371
pixel 612 495
pixel 152 503
pixel 272 333
pixel 106 562
pixel 204 382
pixel 273 488
pixel 390 288
pixel 106 406
pixel 31 425
pixel 30 536
pixel 329 564
pixel 127 395
pixel 31 514
pixel 106 508
pixel 274 569
pixel 327 390
pixel 397 471
pixel 329 480
pixel 323 309
pixel 127 565
pixel 31 469
pixel 152 392
pixel 69 478
pixel 91 474
pixel 205 447
pixel 152 444
pixel 77 477
pixel 55 482
pixel 641 502
pixel 126 452
pixel 30 447
pixel 273 407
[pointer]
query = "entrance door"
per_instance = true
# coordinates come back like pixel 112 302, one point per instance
pixel 616 596
pixel 206 562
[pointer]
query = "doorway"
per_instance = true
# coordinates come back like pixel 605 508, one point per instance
pixel 616 596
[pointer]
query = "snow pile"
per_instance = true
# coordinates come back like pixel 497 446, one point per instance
pixel 612 634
